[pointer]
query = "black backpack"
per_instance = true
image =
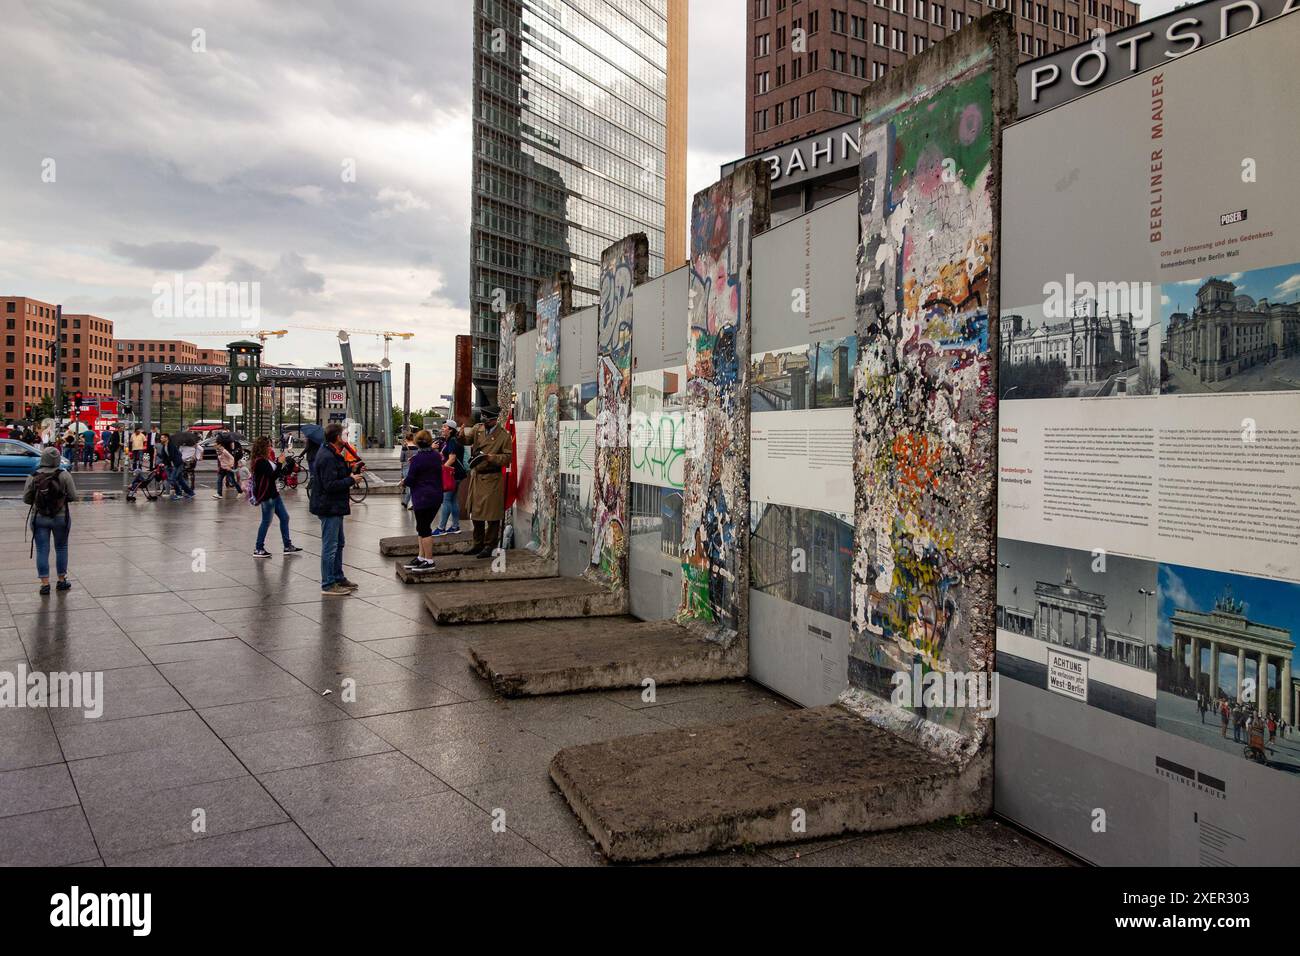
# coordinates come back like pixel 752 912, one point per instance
pixel 49 500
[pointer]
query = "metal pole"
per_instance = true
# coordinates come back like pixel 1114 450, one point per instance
pixel 406 401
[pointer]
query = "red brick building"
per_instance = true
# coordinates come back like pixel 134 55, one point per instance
pixel 88 355
pixel 28 367
pixel 808 60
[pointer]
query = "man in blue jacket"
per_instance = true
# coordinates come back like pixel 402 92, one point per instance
pixel 170 454
pixel 331 480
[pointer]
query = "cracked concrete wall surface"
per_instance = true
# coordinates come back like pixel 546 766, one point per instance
pixel 925 409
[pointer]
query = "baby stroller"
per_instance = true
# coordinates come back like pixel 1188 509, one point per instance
pixel 293 472
pixel 145 479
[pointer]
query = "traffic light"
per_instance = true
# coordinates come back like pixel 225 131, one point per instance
pixel 76 397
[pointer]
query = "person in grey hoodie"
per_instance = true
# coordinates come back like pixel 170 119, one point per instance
pixel 48 491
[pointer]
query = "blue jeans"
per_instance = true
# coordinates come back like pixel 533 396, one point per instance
pixel 331 550
pixel 179 485
pixel 450 509
pixel 42 528
pixel 274 506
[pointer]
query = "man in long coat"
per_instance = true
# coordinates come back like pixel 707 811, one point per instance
pixel 489 446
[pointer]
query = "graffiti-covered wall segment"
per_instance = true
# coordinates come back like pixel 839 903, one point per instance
pixel 715 573
pixel 624 266
pixel 924 402
pixel 554 300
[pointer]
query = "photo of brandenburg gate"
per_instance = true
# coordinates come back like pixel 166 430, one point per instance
pixel 1226 630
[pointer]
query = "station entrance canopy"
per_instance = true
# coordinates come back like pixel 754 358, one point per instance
pixel 138 382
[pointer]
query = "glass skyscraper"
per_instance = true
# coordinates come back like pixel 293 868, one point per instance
pixel 576 145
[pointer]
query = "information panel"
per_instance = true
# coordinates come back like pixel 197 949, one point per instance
pixel 657 438
pixel 1148 602
pixel 803 353
pixel 577 438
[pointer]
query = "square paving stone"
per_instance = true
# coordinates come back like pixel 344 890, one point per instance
pixel 302 746
pixel 358 781
pixel 47 838
pixel 442 829
pixel 36 788
pixel 277 713
pixel 281 845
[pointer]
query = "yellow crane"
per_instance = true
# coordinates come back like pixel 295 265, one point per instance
pixel 343 335
pixel 260 334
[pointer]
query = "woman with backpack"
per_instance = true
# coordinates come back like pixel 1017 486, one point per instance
pixel 264 490
pixel 48 491
pixel 424 478
pixel 453 472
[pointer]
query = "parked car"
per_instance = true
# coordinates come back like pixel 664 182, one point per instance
pixel 19 459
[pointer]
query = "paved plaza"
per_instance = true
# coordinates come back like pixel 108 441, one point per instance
pixel 1180 716
pixel 219 743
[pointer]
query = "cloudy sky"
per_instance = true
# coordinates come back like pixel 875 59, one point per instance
pixel 228 163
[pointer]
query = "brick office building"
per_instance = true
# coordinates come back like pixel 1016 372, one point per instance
pixel 28 367
pixel 808 60
pixel 87 355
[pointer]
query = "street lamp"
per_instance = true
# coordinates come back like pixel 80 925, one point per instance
pixel 1146 625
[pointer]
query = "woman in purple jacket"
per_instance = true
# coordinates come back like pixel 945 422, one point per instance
pixel 424 479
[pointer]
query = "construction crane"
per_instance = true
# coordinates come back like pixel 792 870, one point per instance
pixel 343 335
pixel 261 334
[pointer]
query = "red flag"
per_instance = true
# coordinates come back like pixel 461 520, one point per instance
pixel 512 477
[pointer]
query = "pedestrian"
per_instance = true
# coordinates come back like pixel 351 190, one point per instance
pixel 241 472
pixel 453 473
pixel 115 447
pixel 490 444
pixel 331 481
pixel 407 453
pixel 424 479
pixel 1200 705
pixel 266 492
pixel 87 442
pixel 138 445
pixel 170 455
pixel 1272 727
pixel 225 470
pixel 189 462
pixel 48 491
pixel 1223 718
pixel 153 445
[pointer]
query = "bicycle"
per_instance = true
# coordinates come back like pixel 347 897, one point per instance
pixel 359 489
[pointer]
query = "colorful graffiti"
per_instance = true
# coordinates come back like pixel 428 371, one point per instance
pixel 554 300
pixel 508 328
pixel 924 411
pixel 624 266
pixel 715 573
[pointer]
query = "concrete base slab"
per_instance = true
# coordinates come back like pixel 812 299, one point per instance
pixel 480 602
pixel 517 566
pixel 562 657
pixel 408 545
pixel 716 787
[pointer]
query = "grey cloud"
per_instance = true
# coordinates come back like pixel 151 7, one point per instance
pixel 165 255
